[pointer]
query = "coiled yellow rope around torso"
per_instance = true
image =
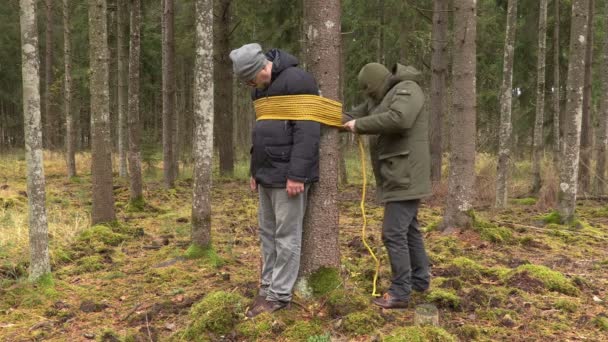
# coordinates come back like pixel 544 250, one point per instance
pixel 325 111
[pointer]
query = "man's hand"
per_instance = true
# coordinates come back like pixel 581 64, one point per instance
pixel 252 184
pixel 294 188
pixel 350 126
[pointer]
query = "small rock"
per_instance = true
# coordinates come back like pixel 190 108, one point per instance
pixel 170 326
pixel 89 336
pixel 122 298
pixel 507 321
pixel 90 306
pixel 597 299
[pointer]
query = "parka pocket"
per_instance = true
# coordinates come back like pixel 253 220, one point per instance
pixel 395 170
pixel 278 153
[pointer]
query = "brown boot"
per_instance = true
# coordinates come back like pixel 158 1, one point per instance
pixel 266 306
pixel 389 302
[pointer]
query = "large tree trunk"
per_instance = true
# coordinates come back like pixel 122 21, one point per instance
pixel 203 127
pixel 38 227
pixel 48 122
pixel 602 141
pixel 462 131
pixel 101 164
pixel 540 98
pixel 584 175
pixel 506 92
pixel 556 88
pixel 223 86
pixel 320 247
pixel 574 110
pixel 439 69
pixel 112 72
pixel 122 52
pixel 134 155
pixel 168 55
pixel 67 92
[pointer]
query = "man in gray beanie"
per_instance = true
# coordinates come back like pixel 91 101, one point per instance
pixel 284 162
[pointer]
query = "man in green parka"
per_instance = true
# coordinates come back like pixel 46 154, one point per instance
pixel 394 115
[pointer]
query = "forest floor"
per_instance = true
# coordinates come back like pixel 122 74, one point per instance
pixel 514 277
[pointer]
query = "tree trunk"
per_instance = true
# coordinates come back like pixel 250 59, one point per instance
pixel 320 247
pixel 223 86
pixel 38 227
pixel 584 175
pixel 556 88
pixel 574 110
pixel 203 127
pixel 134 155
pixel 122 53
pixel 506 92
pixel 540 98
pixel 48 122
pixel 381 55
pixel 439 68
pixel 168 55
pixel 67 92
pixel 462 139
pixel 101 154
pixel 112 72
pixel 602 141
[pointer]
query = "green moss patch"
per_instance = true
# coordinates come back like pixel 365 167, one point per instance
pixel 538 274
pixel 217 313
pixel 444 298
pixel 420 334
pixel 259 327
pixel 325 280
pixel 361 323
pixel 341 303
pixel 302 331
pixel 207 254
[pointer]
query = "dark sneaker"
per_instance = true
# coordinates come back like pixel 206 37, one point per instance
pixel 266 306
pixel 389 302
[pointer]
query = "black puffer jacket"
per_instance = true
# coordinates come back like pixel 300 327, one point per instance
pixel 285 148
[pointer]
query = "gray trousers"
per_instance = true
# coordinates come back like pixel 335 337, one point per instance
pixel 280 218
pixel 403 240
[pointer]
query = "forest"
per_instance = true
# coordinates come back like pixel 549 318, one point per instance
pixel 126 208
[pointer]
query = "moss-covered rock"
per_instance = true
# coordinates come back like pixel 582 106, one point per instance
pixel 324 280
pixel 444 298
pixel 552 280
pixel 302 330
pixel 420 334
pixel 103 234
pixel 217 313
pixel 361 323
pixel 341 302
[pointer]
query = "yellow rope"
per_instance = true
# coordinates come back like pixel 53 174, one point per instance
pixel 325 111
pixel 299 107
pixel 363 235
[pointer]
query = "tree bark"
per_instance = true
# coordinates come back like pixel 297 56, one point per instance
pixel 584 175
pixel 112 73
pixel 556 88
pixel 203 127
pixel 67 92
pixel 506 92
pixel 462 139
pixel 540 98
pixel 439 69
pixel 101 164
pixel 168 56
pixel 134 155
pixel 122 52
pixel 602 141
pixel 38 227
pixel 223 79
pixel 48 122
pixel 574 110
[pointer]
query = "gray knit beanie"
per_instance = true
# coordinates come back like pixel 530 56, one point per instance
pixel 247 61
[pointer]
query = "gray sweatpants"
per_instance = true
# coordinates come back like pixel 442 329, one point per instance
pixel 280 218
pixel 403 240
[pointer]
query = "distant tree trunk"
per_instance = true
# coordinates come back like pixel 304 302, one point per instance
pixel 584 171
pixel 101 164
pixel 602 141
pixel 38 227
pixel 134 156
pixel 574 110
pixel 168 55
pixel 461 181
pixel 380 51
pixel 556 88
pixel 203 127
pixel 506 92
pixel 540 98
pixel 439 69
pixel 67 92
pixel 112 72
pixel 223 86
pixel 48 122
pixel 320 247
pixel 122 48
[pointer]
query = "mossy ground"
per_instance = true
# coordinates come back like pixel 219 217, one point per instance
pixel 513 277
